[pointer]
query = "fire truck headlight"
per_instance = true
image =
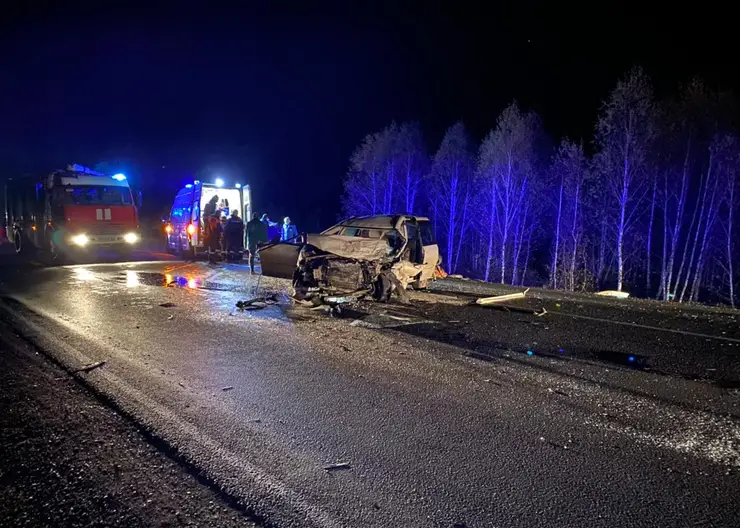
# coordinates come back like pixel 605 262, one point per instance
pixel 131 238
pixel 79 240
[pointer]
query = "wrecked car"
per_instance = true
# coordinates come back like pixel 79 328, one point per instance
pixel 371 256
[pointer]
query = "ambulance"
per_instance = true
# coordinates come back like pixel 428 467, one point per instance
pixel 184 230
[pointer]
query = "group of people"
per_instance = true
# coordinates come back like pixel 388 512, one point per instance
pixel 226 235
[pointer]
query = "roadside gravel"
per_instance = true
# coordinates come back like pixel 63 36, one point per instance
pixel 68 460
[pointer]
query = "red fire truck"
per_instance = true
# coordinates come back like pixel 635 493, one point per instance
pixel 71 210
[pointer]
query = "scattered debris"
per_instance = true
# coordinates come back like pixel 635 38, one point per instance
pixel 181 384
pixel 614 293
pixel 557 391
pixel 337 467
pixel 171 317
pixel 258 303
pixel 340 300
pixel 88 368
pixel 501 298
pixel 453 321
pixel 440 273
pixel 455 276
pixel 168 305
pixel 540 314
pixel 228 388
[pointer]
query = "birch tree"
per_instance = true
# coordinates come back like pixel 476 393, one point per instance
pixel 413 164
pixel 728 170
pixel 363 186
pixel 624 133
pixel 451 179
pixel 506 166
pixel 385 172
pixel 568 174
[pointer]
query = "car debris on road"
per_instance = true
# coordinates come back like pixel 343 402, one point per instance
pixel 501 298
pixel 614 293
pixel 337 467
pixel 88 368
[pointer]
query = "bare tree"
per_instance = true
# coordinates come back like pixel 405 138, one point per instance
pixel 414 163
pixel 506 164
pixel 451 173
pixel 385 172
pixel 363 187
pixel 568 173
pixel 729 171
pixel 624 132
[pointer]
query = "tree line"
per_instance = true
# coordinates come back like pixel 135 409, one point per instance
pixel 648 206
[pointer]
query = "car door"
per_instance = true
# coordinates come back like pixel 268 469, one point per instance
pixel 431 249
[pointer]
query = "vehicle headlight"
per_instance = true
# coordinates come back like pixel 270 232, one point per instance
pixel 79 240
pixel 131 238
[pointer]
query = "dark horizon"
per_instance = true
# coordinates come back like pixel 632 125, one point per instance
pixel 282 102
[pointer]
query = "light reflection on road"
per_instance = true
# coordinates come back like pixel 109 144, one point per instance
pixel 132 279
pixel 84 274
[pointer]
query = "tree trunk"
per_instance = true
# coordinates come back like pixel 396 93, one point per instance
pixel 698 230
pixel 709 222
pixel 623 198
pixel 554 266
pixel 526 259
pixel 574 237
pixel 680 208
pixel 663 260
pixel 521 226
pixel 650 239
pixel 731 206
pixel 491 225
pixel 463 224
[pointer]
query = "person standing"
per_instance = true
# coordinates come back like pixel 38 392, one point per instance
pixel 290 231
pixel 210 208
pixel 256 235
pixel 213 233
pixel 234 236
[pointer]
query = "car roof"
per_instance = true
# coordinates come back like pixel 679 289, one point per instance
pixel 376 222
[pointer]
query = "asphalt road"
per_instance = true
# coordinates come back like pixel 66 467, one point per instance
pixel 599 413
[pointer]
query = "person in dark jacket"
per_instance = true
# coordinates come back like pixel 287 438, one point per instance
pixel 234 236
pixel 256 235
pixel 210 208
pixel 213 232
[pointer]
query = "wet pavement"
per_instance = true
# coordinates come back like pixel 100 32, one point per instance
pixel 440 414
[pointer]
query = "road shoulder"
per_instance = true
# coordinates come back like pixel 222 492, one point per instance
pixel 68 460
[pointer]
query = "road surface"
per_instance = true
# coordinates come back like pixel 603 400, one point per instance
pixel 439 414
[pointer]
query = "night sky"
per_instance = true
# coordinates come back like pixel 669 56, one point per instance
pixel 280 99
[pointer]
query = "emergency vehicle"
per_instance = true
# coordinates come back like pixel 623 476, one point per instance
pixel 71 210
pixel 185 227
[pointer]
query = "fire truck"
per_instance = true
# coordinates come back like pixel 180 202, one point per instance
pixel 72 210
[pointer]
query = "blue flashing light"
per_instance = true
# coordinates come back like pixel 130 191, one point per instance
pixel 219 182
pixel 196 182
pixel 530 353
pixel 631 359
pixel 119 177
pixel 85 170
pixel 189 186
pixel 238 185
